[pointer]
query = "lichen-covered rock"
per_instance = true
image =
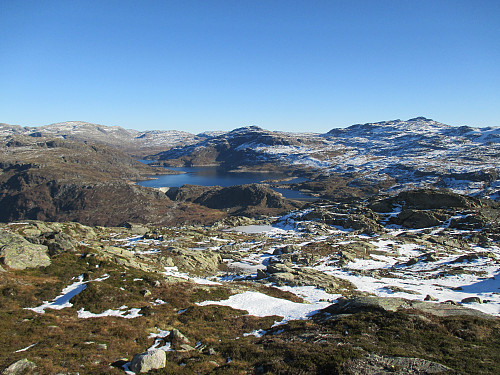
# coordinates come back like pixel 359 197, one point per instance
pixel 302 257
pixel 361 249
pixel 363 221
pixel 57 242
pixel 17 253
pixel 205 262
pixel 278 267
pixel 150 360
pixel 127 258
pixel 177 338
pixel 21 367
pixel 359 304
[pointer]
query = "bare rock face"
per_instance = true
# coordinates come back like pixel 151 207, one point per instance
pixel 188 192
pixel 363 220
pixel 150 360
pixel 57 242
pixel 417 219
pixel 432 199
pixel 17 253
pixel 358 304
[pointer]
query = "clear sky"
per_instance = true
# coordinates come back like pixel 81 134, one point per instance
pixel 218 65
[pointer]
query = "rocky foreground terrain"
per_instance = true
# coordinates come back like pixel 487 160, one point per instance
pixel 401 285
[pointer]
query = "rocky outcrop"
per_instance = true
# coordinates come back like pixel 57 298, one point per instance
pixel 195 261
pixel 150 360
pixel 360 219
pixel 392 304
pixel 416 219
pixel 56 242
pixel 17 253
pixel 373 364
pixel 242 196
pixel 127 258
pixel 426 199
pixel 188 193
pixel 281 274
pixel 178 340
pixel 251 199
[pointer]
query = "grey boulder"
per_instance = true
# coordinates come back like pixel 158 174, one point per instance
pixel 150 360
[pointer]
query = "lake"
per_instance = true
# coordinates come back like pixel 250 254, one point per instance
pixel 212 176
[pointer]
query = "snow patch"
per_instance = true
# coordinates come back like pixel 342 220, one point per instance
pixel 261 305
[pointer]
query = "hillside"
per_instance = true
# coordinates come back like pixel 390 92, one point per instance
pixel 63 180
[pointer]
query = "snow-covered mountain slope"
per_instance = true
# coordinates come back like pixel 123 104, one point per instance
pixel 115 136
pixel 418 143
pixel 245 146
pixel 419 152
pixel 422 152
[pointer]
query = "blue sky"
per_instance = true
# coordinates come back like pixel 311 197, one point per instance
pixel 218 65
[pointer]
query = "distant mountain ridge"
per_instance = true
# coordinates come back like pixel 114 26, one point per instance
pixel 419 152
pixel 133 141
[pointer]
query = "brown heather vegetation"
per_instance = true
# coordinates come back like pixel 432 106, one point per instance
pixel 66 343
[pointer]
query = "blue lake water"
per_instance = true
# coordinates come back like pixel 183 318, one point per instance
pixel 211 176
